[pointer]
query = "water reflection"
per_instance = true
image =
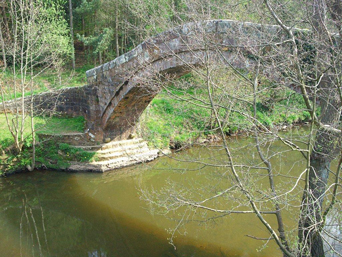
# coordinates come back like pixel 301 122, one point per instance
pixel 86 215
pixel 76 224
pixel 58 214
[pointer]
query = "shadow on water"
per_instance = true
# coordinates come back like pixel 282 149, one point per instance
pixel 48 214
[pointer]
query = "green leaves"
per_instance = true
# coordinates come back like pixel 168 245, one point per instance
pixel 100 42
pixel 86 8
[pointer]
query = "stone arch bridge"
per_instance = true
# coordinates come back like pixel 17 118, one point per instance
pixel 118 91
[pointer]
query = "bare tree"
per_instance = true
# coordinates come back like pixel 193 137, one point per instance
pixel 38 42
pixel 2 41
pixel 302 52
pixel 72 34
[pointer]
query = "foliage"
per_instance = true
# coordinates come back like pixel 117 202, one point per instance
pixel 55 155
pixel 100 42
pixel 34 37
pixel 48 125
pixel 173 116
pixel 44 35
pixel 50 154
pixel 49 80
pixel 109 28
pixel 47 153
pixel 87 7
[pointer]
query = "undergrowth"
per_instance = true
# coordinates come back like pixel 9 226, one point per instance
pixel 49 154
pixel 181 114
pixel 46 81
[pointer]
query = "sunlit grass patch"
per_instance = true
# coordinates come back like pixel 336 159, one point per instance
pixel 48 125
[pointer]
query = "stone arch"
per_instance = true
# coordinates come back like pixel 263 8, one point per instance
pixel 124 110
pixel 117 92
pixel 124 88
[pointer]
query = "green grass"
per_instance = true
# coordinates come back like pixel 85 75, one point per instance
pixel 68 78
pixel 51 154
pixel 170 119
pixel 58 125
pixel 11 159
pixel 49 80
pixel 291 109
pixel 48 125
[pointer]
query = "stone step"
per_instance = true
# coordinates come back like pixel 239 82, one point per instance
pixel 116 153
pixel 136 157
pixel 94 148
pixel 123 148
pixel 102 166
pixel 122 143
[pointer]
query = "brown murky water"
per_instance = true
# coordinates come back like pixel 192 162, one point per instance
pixel 51 213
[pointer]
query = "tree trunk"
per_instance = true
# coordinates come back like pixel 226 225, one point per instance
pixel 72 34
pixel 327 142
pixel 117 29
pixel 6 31
pixel 84 32
pixel 3 46
pixel 311 212
pixel 327 147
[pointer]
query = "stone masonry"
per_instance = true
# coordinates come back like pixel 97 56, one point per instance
pixel 119 91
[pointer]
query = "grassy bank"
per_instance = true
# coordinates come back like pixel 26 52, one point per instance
pixel 180 115
pixel 49 154
pixel 48 125
pixel 49 80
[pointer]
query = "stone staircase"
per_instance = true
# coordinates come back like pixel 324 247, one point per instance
pixel 116 154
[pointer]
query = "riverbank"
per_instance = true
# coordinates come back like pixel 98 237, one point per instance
pixel 48 154
pixel 177 118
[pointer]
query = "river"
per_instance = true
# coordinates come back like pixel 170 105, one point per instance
pixel 51 213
